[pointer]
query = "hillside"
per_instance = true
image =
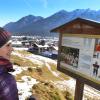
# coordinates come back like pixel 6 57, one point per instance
pixel 38 76
pixel 32 25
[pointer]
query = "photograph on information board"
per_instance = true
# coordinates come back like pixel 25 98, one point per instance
pixel 70 56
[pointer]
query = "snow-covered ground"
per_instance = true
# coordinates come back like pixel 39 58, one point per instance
pixel 25 86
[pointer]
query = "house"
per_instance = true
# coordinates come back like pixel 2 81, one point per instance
pixel 51 52
pixel 36 48
pixel 16 44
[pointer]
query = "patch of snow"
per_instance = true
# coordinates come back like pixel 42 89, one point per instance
pixel 16 48
pixel 66 84
pixel 25 87
pixel 53 72
pixel 34 60
pixel 18 70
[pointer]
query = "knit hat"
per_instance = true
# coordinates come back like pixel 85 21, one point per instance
pixel 4 37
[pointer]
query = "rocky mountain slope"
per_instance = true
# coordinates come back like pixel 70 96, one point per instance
pixel 36 25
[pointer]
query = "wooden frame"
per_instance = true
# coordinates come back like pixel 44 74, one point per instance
pixel 78 28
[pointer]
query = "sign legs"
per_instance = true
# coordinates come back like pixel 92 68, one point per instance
pixel 79 90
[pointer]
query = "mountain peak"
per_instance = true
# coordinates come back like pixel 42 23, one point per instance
pixel 62 12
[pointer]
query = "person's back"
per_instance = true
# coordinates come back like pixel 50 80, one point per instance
pixel 96 66
pixel 95 70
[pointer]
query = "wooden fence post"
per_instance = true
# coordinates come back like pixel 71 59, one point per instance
pixel 79 90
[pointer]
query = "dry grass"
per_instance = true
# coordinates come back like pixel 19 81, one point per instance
pixel 41 74
pixel 23 52
pixel 38 73
pixel 22 62
pixel 62 75
pixel 44 90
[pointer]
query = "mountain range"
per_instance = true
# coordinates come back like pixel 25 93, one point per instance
pixel 39 26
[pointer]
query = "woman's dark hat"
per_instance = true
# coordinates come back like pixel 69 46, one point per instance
pixel 4 37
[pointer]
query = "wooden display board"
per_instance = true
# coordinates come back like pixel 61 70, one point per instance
pixel 79 53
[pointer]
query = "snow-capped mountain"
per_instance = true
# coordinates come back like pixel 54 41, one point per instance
pixel 32 25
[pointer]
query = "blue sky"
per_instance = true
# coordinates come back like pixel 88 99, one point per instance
pixel 13 10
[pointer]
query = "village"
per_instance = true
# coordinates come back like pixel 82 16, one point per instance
pixel 47 47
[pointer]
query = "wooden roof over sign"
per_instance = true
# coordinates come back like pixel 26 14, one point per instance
pixel 79 26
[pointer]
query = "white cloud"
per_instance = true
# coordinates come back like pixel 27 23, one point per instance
pixel 27 2
pixel 45 3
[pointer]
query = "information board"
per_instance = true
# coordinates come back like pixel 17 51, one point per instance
pixel 81 55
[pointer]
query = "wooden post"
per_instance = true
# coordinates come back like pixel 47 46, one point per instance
pixel 79 90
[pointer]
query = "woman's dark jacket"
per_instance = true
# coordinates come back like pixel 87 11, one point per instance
pixel 8 87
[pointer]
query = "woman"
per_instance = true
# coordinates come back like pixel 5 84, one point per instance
pixel 8 87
